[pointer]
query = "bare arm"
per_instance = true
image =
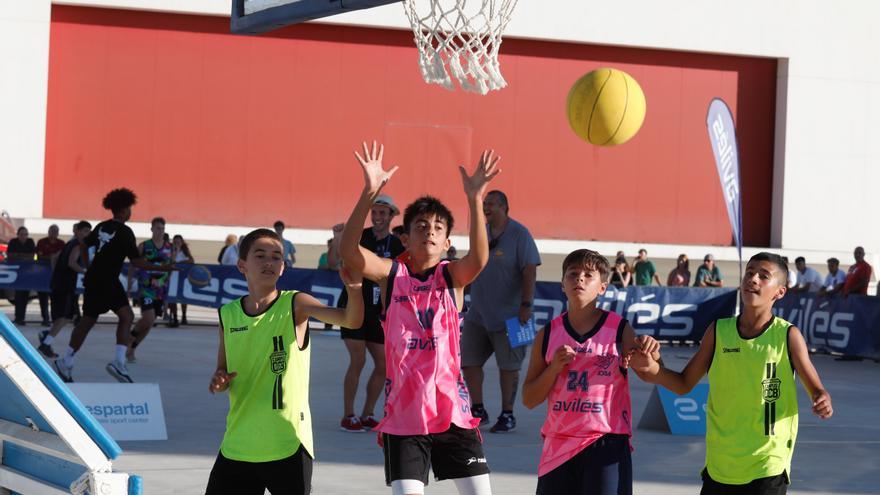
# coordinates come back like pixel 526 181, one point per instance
pixel 800 357
pixel 130 273
pixel 221 379
pixel 73 260
pixel 352 316
pixel 141 263
pixel 529 275
pixel 657 279
pixel 466 269
pixel 684 381
pixel 353 255
pixel 541 377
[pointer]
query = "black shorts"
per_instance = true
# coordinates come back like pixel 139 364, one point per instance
pixel 148 303
pixel 455 453
pixel 63 304
pixel 100 298
pixel 370 331
pixel 772 485
pixel 288 476
pixel 603 468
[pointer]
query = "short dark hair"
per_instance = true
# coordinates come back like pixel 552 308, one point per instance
pixel 398 230
pixel 589 260
pixel 82 224
pixel 157 220
pixel 800 259
pixel 833 260
pixel 20 229
pixel 427 205
pixel 252 237
pixel 119 199
pixel 779 261
pixel 278 224
pixel 502 198
pixel 643 250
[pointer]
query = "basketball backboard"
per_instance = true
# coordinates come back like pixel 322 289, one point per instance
pixel 259 16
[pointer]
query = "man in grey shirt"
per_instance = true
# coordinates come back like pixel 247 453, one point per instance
pixel 503 290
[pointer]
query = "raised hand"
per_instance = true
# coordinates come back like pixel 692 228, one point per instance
pixel 486 170
pixel 375 176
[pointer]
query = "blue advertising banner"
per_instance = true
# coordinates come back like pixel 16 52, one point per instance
pixel 674 314
pixel 844 325
pixel 848 325
pixel 722 135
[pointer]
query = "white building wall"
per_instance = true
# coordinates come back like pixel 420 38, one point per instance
pixel 828 101
pixel 24 66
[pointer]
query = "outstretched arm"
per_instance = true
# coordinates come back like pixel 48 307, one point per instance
pixel 353 255
pixel 800 358
pixel 465 270
pixel 351 316
pixel 684 381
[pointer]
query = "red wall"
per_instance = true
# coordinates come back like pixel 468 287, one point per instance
pixel 212 128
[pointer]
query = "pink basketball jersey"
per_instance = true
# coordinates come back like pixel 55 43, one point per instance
pixel 590 397
pixel 424 389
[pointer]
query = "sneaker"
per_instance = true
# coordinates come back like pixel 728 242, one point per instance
pixel 65 372
pixel 173 323
pixel 481 414
pixel 369 422
pixel 506 423
pixel 118 371
pixel 19 323
pixel 46 323
pixel 46 349
pixel 352 424
pixel 183 321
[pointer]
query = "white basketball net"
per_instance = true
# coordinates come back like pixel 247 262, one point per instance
pixel 460 39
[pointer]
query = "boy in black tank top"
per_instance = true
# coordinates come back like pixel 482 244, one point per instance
pixel 113 241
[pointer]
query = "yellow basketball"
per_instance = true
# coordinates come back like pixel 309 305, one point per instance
pixel 606 107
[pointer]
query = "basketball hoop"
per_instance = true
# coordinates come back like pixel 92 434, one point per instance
pixel 460 39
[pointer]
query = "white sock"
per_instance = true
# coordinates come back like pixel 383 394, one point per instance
pixel 68 357
pixel 474 485
pixel 48 339
pixel 407 487
pixel 120 353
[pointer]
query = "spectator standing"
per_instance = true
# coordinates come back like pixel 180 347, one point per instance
pixel 47 250
pixel 792 274
pixel 503 290
pixel 808 279
pixel 645 270
pixel 229 256
pixel 180 253
pixel 680 276
pixel 834 280
pixel 620 274
pixel 708 275
pixel 21 248
pixel 289 248
pixel 859 274
pixel 231 240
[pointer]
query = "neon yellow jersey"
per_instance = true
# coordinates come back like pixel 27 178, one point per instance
pixel 752 415
pixel 269 414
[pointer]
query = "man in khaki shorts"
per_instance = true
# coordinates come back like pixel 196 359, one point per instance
pixel 504 289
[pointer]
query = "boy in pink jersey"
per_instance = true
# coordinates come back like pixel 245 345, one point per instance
pixel 578 366
pixel 427 413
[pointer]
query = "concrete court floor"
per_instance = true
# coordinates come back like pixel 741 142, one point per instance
pixel 839 456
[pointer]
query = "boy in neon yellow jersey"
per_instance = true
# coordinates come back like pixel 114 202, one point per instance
pixel 752 414
pixel 263 361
